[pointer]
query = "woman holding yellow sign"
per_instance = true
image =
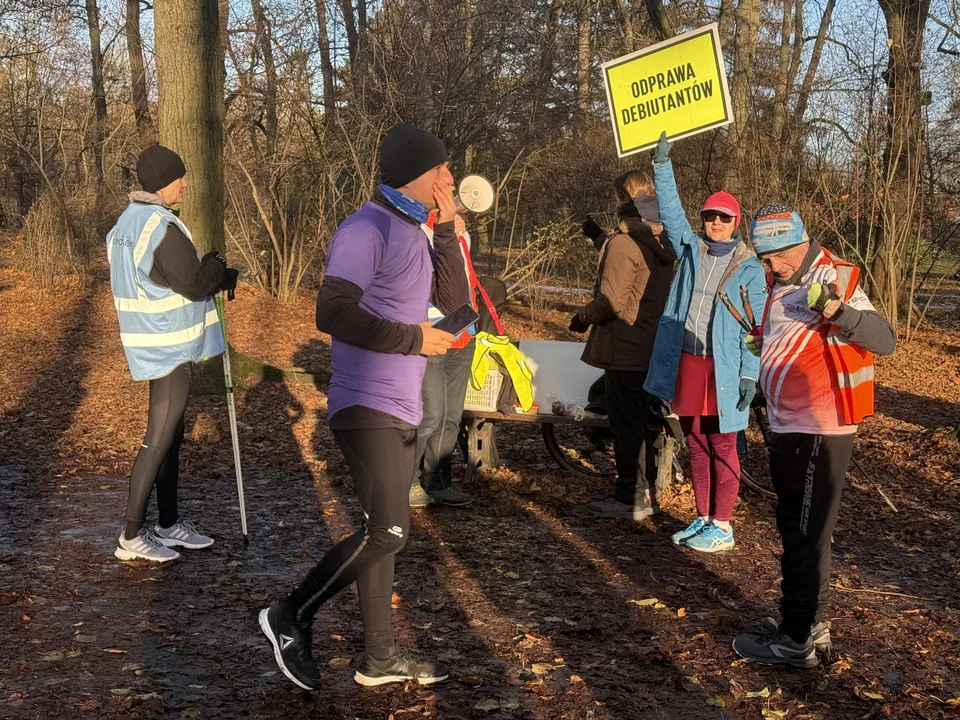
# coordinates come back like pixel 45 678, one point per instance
pixel 700 366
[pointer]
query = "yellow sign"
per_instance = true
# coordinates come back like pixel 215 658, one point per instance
pixel 679 86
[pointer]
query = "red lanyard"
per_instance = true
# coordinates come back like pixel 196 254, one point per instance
pixel 475 283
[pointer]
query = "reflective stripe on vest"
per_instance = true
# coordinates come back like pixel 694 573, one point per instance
pixel 159 329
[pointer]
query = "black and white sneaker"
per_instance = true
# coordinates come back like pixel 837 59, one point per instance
pixel 292 647
pixel 820 633
pixel 772 647
pixel 403 666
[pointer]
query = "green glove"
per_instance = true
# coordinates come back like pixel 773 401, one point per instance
pixel 662 153
pixel 818 296
pixel 754 342
pixel 748 388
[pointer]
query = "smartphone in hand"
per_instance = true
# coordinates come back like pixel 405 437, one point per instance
pixel 457 321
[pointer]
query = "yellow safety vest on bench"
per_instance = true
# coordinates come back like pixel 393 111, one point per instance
pixel 511 358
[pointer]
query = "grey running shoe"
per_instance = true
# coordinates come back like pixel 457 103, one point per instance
pixel 418 496
pixel 292 647
pixel 403 666
pixel 772 647
pixel 612 508
pixel 145 546
pixel 451 497
pixel 820 633
pixel 183 534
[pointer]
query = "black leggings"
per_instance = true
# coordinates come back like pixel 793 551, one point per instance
pixel 381 463
pixel 158 462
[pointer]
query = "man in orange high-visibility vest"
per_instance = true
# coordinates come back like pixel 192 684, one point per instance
pixel 815 342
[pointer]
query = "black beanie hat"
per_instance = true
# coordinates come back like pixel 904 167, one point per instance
pixel 407 152
pixel 159 166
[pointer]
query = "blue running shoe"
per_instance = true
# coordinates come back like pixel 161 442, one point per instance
pixel 691 530
pixel 711 539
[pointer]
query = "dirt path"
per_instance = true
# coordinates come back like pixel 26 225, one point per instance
pixel 524 596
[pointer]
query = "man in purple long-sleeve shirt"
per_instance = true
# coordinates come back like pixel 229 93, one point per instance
pixel 381 274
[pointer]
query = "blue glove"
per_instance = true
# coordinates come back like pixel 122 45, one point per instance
pixel 662 153
pixel 748 388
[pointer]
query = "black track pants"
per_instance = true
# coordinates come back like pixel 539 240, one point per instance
pixel 381 463
pixel 808 472
pixel 158 462
pixel 628 408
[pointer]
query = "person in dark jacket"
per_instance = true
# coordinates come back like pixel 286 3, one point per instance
pixel 162 290
pixel 633 279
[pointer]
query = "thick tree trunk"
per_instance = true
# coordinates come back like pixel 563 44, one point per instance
pixel 748 28
pixel 904 151
pixel 191 109
pixel 350 23
pixel 99 96
pixel 138 73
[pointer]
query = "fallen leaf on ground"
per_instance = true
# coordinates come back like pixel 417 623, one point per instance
pixel 645 602
pixel 339 663
pixel 759 693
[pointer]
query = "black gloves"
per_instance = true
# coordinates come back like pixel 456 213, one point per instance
pixel 577 324
pixel 215 255
pixel 591 229
pixel 230 282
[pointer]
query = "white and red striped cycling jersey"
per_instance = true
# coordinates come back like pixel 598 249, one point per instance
pixel 797 374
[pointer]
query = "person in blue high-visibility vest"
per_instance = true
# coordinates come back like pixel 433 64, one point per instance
pixel 163 292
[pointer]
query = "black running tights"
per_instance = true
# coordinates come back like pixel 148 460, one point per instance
pixel 158 462
pixel 381 463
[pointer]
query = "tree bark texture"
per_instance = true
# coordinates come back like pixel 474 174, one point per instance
pixel 658 17
pixel 584 56
pixel 803 96
pixel 326 65
pixel 99 96
pixel 138 73
pixel 190 80
pixel 626 25
pixel 747 18
pixel 903 153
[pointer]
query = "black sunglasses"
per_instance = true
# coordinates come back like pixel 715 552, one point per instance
pixel 712 215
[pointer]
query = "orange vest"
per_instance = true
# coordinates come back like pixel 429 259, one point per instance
pixel 853 364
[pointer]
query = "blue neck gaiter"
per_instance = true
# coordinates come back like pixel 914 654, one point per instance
pixel 719 249
pixel 413 209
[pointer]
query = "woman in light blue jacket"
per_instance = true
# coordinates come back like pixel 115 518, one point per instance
pixel 700 365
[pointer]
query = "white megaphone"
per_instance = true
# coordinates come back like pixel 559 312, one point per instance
pixel 474 194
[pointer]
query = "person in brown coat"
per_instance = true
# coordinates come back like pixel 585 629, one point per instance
pixel 633 281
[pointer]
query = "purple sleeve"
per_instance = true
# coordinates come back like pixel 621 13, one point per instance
pixel 355 254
